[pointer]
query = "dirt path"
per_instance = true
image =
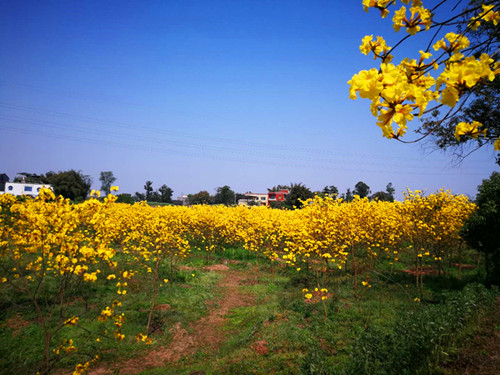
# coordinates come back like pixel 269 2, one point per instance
pixel 206 333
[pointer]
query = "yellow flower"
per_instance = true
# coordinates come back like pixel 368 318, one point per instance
pixel 425 55
pixel 469 129
pixel 399 18
pixel 496 145
pixel 365 46
pixel 71 321
pixel 308 296
pixel 90 277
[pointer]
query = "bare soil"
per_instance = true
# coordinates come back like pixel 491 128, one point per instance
pixel 16 324
pixel 205 334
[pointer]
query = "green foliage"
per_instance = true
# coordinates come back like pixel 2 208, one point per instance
pixel 348 196
pixel 165 194
pixel 148 188
pixel 420 337
pixel 279 187
pixel 139 197
pixel 202 197
pixel 297 193
pixel 107 179
pixel 70 184
pixel 386 196
pixel 390 190
pixel 361 189
pixel 482 228
pixel 124 198
pixel 381 196
pixel 330 190
pixel 278 205
pixel 273 312
pixel 224 196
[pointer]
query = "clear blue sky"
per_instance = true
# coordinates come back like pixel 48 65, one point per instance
pixel 200 94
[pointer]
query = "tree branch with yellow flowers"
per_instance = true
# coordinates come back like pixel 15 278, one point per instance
pixel 457 72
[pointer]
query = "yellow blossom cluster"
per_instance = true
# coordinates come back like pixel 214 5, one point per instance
pixel 399 92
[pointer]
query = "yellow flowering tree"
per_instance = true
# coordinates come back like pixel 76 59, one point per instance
pixel 452 82
pixel 155 236
pixel 49 248
pixel 432 226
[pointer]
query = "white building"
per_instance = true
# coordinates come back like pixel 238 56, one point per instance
pixel 23 188
pixel 258 199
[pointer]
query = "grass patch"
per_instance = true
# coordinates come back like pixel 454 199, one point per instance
pixel 378 329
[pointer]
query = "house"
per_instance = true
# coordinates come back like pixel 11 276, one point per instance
pixel 183 200
pixel 263 199
pixel 254 199
pixel 20 188
pixel 277 196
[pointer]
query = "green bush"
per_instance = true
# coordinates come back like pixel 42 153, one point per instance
pixel 481 230
pixel 420 338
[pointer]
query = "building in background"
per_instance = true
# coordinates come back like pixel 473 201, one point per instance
pixel 21 186
pixel 263 199
pixel 254 199
pixel 277 196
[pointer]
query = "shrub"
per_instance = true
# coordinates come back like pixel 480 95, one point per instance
pixel 420 337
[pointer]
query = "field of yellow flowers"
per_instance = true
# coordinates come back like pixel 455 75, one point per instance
pixel 72 270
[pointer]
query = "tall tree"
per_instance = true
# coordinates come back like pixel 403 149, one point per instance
pixel 482 228
pixel 202 197
pixel 390 191
pixel 165 194
pixel 224 195
pixel 348 197
pixel 107 180
pixel 381 196
pixel 70 184
pixel 139 197
pixel 124 198
pixel 361 189
pixel 148 188
pixel 297 193
pixel 155 197
pixel 330 190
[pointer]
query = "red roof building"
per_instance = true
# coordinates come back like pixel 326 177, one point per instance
pixel 276 196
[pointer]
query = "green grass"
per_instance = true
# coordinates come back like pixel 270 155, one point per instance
pixel 278 333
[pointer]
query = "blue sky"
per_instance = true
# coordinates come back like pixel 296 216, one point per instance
pixel 200 94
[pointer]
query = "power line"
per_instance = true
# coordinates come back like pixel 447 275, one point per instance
pixel 208 148
pixel 239 142
pixel 80 139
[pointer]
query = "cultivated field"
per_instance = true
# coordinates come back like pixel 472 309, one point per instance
pixel 364 287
